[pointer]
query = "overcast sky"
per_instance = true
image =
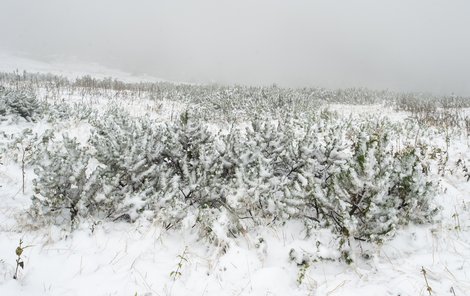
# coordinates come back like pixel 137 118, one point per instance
pixel 421 45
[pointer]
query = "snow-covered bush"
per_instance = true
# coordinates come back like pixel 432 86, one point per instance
pixel 64 190
pixel 189 158
pixel 28 147
pixel 414 187
pixel 380 189
pixel 129 153
pixel 199 181
pixel 19 102
pixel 62 111
pixel 323 170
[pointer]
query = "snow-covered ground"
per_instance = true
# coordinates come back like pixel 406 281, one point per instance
pixel 138 259
pixel 67 67
pixel 123 259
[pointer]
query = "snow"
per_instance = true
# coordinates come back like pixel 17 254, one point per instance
pixel 122 259
pixel 137 259
pixel 69 68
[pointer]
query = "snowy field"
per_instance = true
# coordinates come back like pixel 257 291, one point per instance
pixel 105 257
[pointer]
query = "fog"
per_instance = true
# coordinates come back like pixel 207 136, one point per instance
pixel 421 45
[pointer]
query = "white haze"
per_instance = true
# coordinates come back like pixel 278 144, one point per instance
pixel 421 45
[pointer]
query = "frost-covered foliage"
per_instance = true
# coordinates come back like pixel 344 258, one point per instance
pixel 218 102
pixel 282 159
pixel 380 189
pixel 440 112
pixel 229 103
pixel 191 161
pixel 323 170
pixel 63 190
pixel 61 111
pixel 129 156
pixel 18 102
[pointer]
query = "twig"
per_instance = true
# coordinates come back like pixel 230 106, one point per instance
pixel 426 280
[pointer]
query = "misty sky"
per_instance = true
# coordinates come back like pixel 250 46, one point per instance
pixel 421 45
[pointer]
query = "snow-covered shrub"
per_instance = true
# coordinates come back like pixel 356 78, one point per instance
pixel 325 171
pixel 62 111
pixel 378 190
pixel 367 208
pixel 414 187
pixel 269 162
pixel 64 190
pixel 327 154
pixel 129 156
pixel 257 170
pixel 189 157
pixel 19 102
pixel 31 142
pixel 197 183
pixel 3 104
